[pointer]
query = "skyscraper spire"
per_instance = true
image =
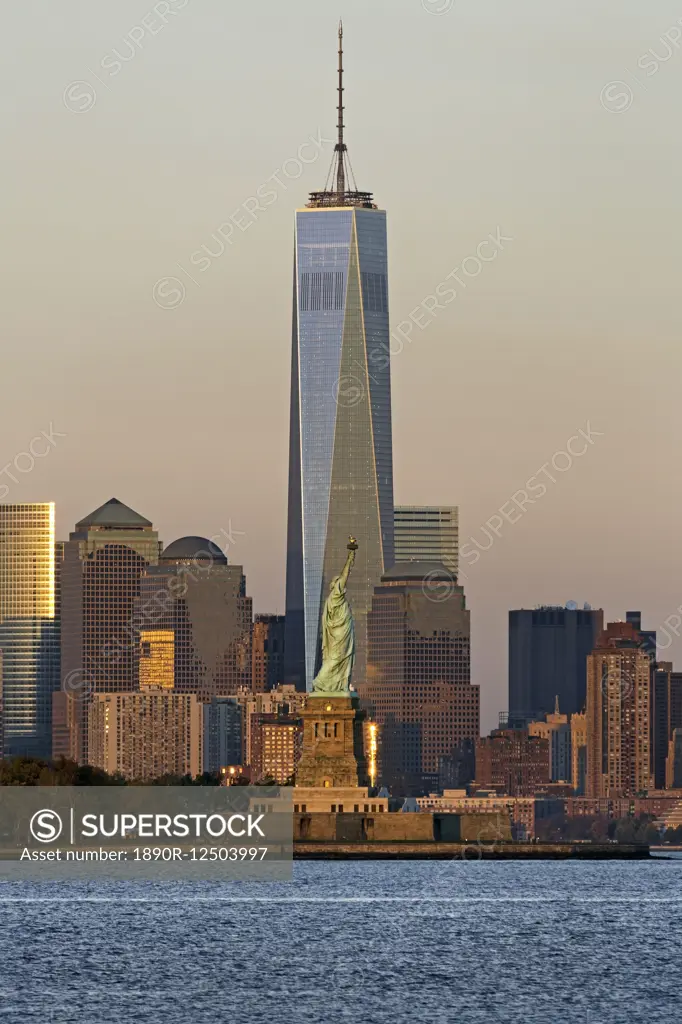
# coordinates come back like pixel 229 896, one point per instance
pixel 340 145
pixel 340 188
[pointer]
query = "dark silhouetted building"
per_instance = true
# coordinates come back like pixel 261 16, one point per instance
pixel 666 716
pixel 418 687
pixel 512 762
pixel 618 714
pixel 193 622
pixel 548 649
pixel 223 744
pixel 104 561
pixel 267 653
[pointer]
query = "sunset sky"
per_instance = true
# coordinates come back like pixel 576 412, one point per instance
pixel 128 140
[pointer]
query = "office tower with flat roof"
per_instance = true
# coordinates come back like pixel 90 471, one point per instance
pixel 340 448
pixel 193 619
pixel 427 533
pixel 666 716
pixel 618 714
pixel 267 652
pixel 29 628
pixel 145 735
pixel 548 649
pixel 418 686
pixel 104 561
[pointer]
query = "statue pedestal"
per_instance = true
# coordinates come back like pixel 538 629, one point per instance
pixel 333 744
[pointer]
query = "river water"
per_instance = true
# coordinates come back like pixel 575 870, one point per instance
pixel 535 942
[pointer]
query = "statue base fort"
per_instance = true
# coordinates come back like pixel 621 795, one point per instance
pixel 332 753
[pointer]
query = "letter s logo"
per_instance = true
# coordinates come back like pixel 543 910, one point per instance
pixel 46 826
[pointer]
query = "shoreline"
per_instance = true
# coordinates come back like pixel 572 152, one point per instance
pixel 405 850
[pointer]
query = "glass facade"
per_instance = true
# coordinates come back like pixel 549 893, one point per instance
pixel 157 659
pixel 340 469
pixel 29 638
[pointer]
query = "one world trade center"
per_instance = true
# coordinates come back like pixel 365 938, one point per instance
pixel 340 450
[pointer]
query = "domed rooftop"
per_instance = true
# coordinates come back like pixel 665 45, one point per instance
pixel 192 549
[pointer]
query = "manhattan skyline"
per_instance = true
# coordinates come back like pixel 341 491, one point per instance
pixel 183 413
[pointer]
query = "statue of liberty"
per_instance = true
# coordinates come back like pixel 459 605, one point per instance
pixel 338 635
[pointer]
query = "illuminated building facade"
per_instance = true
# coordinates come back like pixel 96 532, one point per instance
pixel 146 735
pixel 579 753
pixel 29 633
pixel 618 714
pixel 276 747
pixel 157 659
pixel 340 448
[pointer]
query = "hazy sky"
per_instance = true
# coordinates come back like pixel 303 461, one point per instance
pixel 129 140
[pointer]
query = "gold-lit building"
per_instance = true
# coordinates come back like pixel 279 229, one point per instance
pixel 157 659
pixel 29 638
pixel 283 700
pixel 618 714
pixel 578 753
pixel 146 735
pixel 276 746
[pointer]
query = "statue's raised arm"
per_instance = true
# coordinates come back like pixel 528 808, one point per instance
pixel 338 634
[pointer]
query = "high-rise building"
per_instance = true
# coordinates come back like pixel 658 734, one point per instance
pixel 648 635
pixel 223 734
pixel 666 716
pixel 340 448
pixel 29 628
pixel 428 533
pixel 557 731
pixel 193 618
pixel 618 714
pixel 418 687
pixel 267 652
pixel 104 561
pixel 512 762
pixel 276 747
pixel 548 649
pixel 145 735
pixel 579 753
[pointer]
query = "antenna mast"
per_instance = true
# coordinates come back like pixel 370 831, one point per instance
pixel 340 145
